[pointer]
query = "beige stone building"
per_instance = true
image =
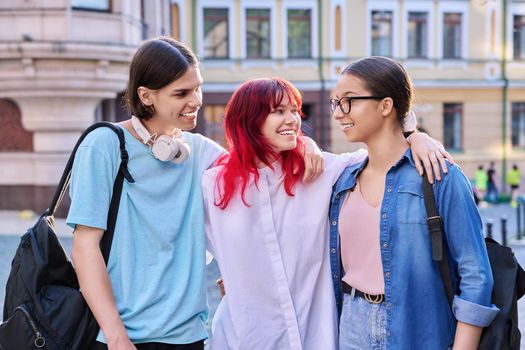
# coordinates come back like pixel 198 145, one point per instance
pixel 63 65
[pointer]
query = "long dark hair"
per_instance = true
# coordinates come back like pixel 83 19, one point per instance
pixel 157 63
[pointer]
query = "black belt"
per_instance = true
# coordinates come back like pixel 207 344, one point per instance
pixel 371 298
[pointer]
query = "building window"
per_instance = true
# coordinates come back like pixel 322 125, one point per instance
pixel 452 121
pixel 338 29
pixel 97 5
pixel 518 124
pixel 417 34
pixel 258 33
pixel 12 133
pixel 519 37
pixel 299 33
pixel 452 35
pixel 175 21
pixel 382 33
pixel 216 43
pixel 214 123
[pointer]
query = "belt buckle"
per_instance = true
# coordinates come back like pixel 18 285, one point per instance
pixel 376 299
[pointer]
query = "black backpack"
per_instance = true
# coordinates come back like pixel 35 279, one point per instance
pixel 509 281
pixel 44 308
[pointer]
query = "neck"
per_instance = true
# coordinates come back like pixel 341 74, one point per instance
pixel 260 164
pixel 385 149
pixel 154 126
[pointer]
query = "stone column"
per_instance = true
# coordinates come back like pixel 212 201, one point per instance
pixel 58 64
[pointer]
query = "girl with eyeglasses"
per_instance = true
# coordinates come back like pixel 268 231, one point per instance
pixel 268 230
pixel 389 290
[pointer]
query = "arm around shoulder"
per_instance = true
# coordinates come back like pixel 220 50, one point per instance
pixel 351 158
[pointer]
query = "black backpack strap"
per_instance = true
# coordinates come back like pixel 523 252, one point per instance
pixel 435 228
pixel 123 173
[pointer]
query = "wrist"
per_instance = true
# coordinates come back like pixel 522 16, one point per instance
pixel 409 136
pixel 115 333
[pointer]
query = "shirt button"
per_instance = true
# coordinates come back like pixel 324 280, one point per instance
pixel 387 274
pixel 383 216
pixel 389 189
pixel 389 306
pixel 334 223
pixel 333 250
pixel 338 196
pixel 385 245
pixel 336 276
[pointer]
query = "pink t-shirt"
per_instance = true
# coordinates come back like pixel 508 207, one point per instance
pixel 360 247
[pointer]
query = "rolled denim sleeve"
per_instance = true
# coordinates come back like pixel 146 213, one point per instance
pixel 464 234
pixel 473 314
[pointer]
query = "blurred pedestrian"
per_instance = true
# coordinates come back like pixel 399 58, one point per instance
pixel 480 183
pixel 492 188
pixel 513 180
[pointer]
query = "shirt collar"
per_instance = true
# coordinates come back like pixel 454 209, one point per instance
pixel 406 156
pixel 272 175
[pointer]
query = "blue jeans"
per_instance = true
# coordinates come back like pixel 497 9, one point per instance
pixel 363 325
pixel 492 192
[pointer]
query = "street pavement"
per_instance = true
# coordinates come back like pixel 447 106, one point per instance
pixel 14 224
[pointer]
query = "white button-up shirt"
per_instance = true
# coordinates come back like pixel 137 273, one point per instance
pixel 274 259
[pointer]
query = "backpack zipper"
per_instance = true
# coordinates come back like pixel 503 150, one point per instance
pixel 40 342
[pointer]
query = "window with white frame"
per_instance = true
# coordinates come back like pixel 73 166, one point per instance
pixel 216 43
pixel 519 37
pixel 299 33
pixel 452 35
pixel 452 126
pixel 382 33
pixel 417 34
pixel 258 33
pixel 97 5
pixel 518 124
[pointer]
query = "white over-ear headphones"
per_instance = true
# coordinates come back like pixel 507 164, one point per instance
pixel 163 147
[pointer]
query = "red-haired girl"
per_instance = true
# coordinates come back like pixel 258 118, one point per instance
pixel 268 230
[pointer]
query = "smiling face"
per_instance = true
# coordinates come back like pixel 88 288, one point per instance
pixel 176 104
pixel 365 116
pixel 282 126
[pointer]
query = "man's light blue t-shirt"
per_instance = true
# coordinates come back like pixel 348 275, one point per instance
pixel 157 260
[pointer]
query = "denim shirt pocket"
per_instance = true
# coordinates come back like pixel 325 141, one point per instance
pixel 410 207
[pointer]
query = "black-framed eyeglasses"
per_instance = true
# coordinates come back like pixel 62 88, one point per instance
pixel 345 103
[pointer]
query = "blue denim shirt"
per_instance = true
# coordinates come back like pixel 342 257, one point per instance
pixel 418 312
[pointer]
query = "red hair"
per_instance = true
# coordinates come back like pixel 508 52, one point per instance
pixel 244 116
